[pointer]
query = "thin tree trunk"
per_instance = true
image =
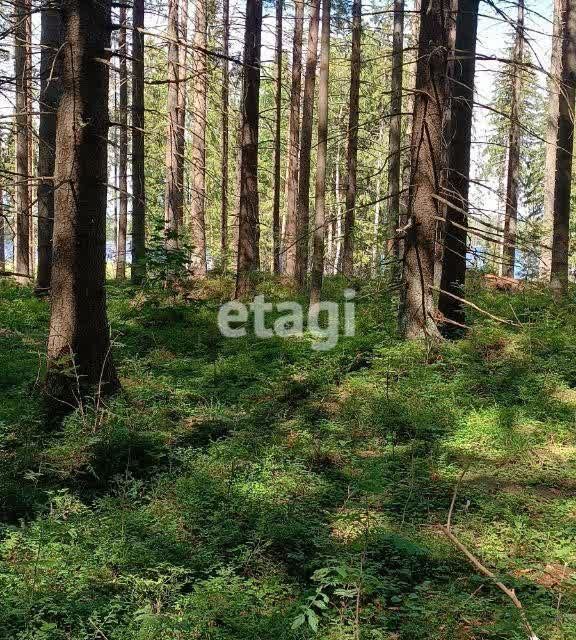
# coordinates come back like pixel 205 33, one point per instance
pixel 290 231
pixel 225 136
pixel 21 72
pixel 564 151
pixel 417 307
pixel 376 229
pixel 31 139
pixel 352 153
pixel 50 43
pixel 174 194
pixel 303 210
pixel 138 169
pixel 551 133
pixel 198 203
pixel 320 218
pixel 277 143
pixel 182 105
pixel 249 223
pixel 79 358
pixel 513 175
pixel 395 130
pixel 455 237
pixel 123 150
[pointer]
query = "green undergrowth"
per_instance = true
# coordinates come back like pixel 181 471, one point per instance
pixel 260 490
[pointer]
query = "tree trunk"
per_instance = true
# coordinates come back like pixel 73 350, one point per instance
pixel 455 237
pixel 290 231
pixel 303 210
pixel 416 315
pixel 198 204
pixel 352 153
pixel 225 136
pixel 277 143
pixel 320 218
pixel 513 174
pixel 564 151
pixel 138 169
pixel 123 150
pixel 174 199
pixel 551 133
pixel 395 130
pixel 50 42
pixel 79 358
pixel 23 209
pixel 2 236
pixel 248 222
pixel 182 105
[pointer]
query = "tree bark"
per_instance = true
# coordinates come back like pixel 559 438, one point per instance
pixel 513 174
pixel 123 151
pixel 320 218
pixel 79 358
pixel 395 130
pixel 277 143
pixel 352 152
pixel 225 136
pixel 138 170
pixel 248 222
pixel 293 143
pixel 455 237
pixel 22 73
pixel 551 134
pixel 564 153
pixel 50 87
pixel 174 199
pixel 198 143
pixel 303 210
pixel 417 308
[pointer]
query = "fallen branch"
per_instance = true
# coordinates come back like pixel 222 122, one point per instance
pixel 475 562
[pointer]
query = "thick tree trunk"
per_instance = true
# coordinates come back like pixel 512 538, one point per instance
pixel 225 137
pixel 249 222
pixel 123 151
pixel 455 237
pixel 417 309
pixel 551 134
pixel 513 174
pixel 303 209
pixel 79 358
pixel 320 218
pixel 23 208
pixel 564 151
pixel 174 200
pixel 290 231
pixel 138 169
pixel 50 43
pixel 352 153
pixel 395 130
pixel 277 143
pixel 198 142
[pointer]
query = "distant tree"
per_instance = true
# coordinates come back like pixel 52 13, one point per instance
pixel 249 216
pixel 79 358
pixel 122 150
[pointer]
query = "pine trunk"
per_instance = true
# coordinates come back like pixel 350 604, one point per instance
pixel 320 218
pixel 564 153
pixel 455 238
pixel 417 308
pixel 123 151
pixel 290 232
pixel 198 142
pixel 50 87
pixel 79 358
pixel 277 144
pixel 347 260
pixel 513 174
pixel 225 137
pixel 303 210
pixel 138 168
pixel 248 219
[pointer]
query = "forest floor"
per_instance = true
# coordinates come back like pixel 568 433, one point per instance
pixel 257 489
